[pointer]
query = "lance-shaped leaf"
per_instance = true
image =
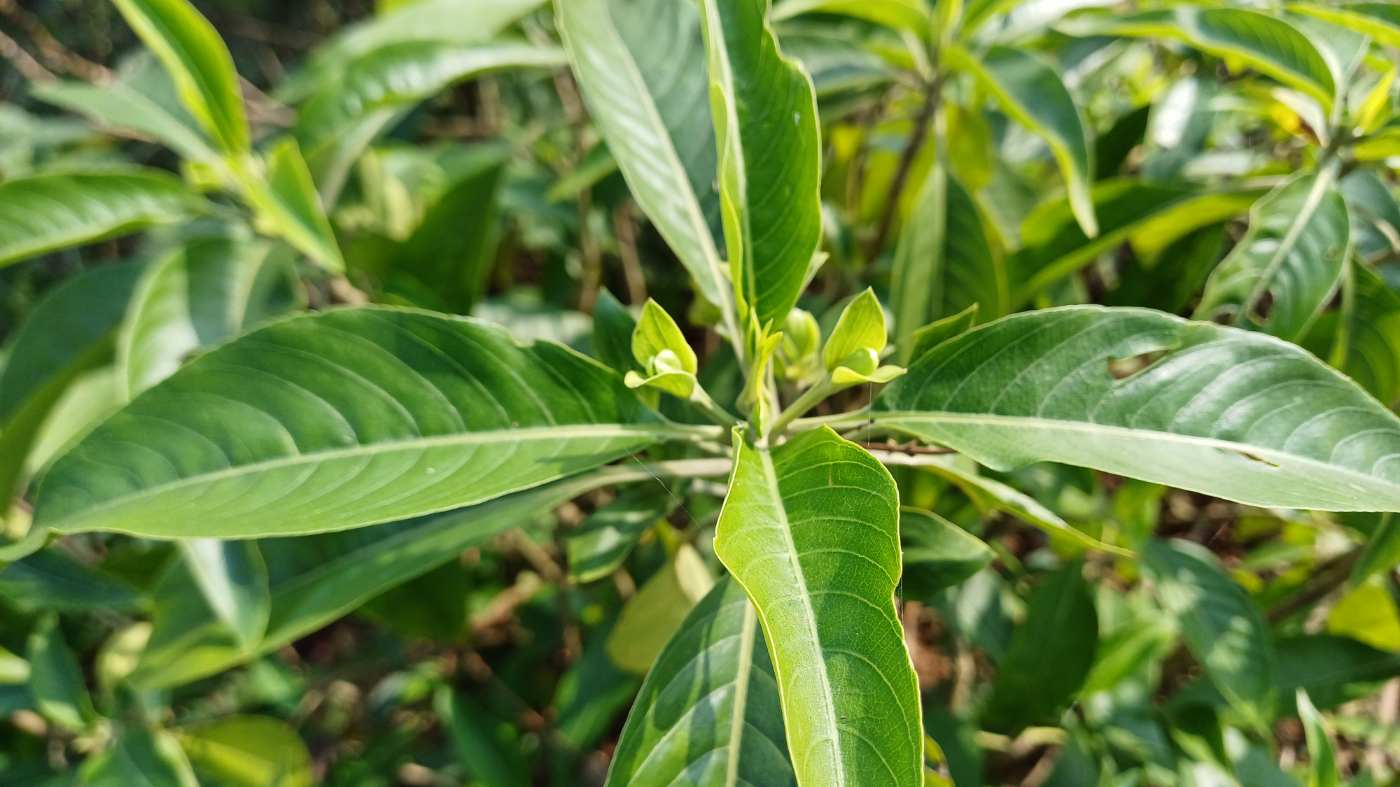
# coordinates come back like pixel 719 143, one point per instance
pixel 317 579
pixel 342 419
pixel 1149 216
pixel 641 69
pixel 1231 413
pixel 1322 757
pixel 1030 91
pixel 910 15
pixel 69 332
pixel 48 212
pixel 810 529
pixel 447 21
pixel 288 205
pixel 199 63
pixel 1380 21
pixel 605 539
pixel 765 116
pixel 139 756
pixel 233 578
pixel 944 262
pixel 708 713
pixel 345 116
pixel 247 751
pixel 121 106
pixel 1287 266
pixel 1220 624
pixel 1266 42
pixel 1363 337
pixel 199 295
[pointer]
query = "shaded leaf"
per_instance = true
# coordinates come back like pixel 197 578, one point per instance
pixel 708 713
pixel 247 751
pixel 233 578
pixel 937 553
pixel 601 544
pixel 656 612
pixel 55 679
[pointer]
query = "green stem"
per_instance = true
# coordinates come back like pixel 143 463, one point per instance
pixel 712 410
pixel 811 398
pixel 838 422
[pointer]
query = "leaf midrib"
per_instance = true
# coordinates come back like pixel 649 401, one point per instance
pixel 817 659
pixel 388 447
pixel 1010 421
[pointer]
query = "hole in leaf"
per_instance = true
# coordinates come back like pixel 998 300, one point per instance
pixel 1263 307
pixel 1257 458
pixel 1123 368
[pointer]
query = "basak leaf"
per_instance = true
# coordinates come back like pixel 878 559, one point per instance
pixel 123 107
pixel 140 757
pixel 944 262
pixel 198 62
pixel 53 211
pixel 810 530
pixel 55 679
pixel 765 115
pixel 343 419
pixel 601 544
pixel 910 15
pixel 937 553
pixel 1289 263
pixel 69 332
pixel 233 578
pixel 1147 216
pixel 1322 756
pixel 317 579
pixel 1220 624
pixel 708 713
pixel 650 617
pixel 288 205
pixel 247 751
pixel 642 75
pixel 1151 396
pixel 422 21
pixel 1380 21
pixel 201 294
pixel 1030 91
pixel 1362 338
pixel 1264 41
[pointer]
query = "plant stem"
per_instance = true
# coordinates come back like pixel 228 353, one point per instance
pixel 713 411
pixel 811 398
pixel 932 93
pixel 838 422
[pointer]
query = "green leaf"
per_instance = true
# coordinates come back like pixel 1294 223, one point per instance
pixel 613 326
pixel 1333 670
pixel 343 419
pixel 650 617
pixel 859 329
pixel 944 263
pixel 1050 654
pixel 642 75
pixel 1220 624
pixel 937 553
pixel 447 21
pixel 233 578
pixel 1380 21
pixel 605 539
pixel 247 751
pixel 401 75
pixel 811 531
pixel 198 62
pixel 910 15
pixel 657 333
pixel 140 758
pixel 317 579
pixel 1362 339
pixel 484 744
pixel 1030 91
pixel 1151 396
pixel 68 333
pixel 1382 551
pixel 1266 42
pixel 289 207
pixel 122 106
pixel 1322 757
pixel 1375 215
pixel 766 131
pixel 55 679
pixel 1287 266
pixel 1148 216
pixel 708 713
pixel 201 294
pixel 51 580
pixel 45 213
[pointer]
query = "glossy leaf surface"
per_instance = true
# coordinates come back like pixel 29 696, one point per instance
pixel 708 713
pixel 811 531
pixel 1200 406
pixel 52 211
pixel 342 419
